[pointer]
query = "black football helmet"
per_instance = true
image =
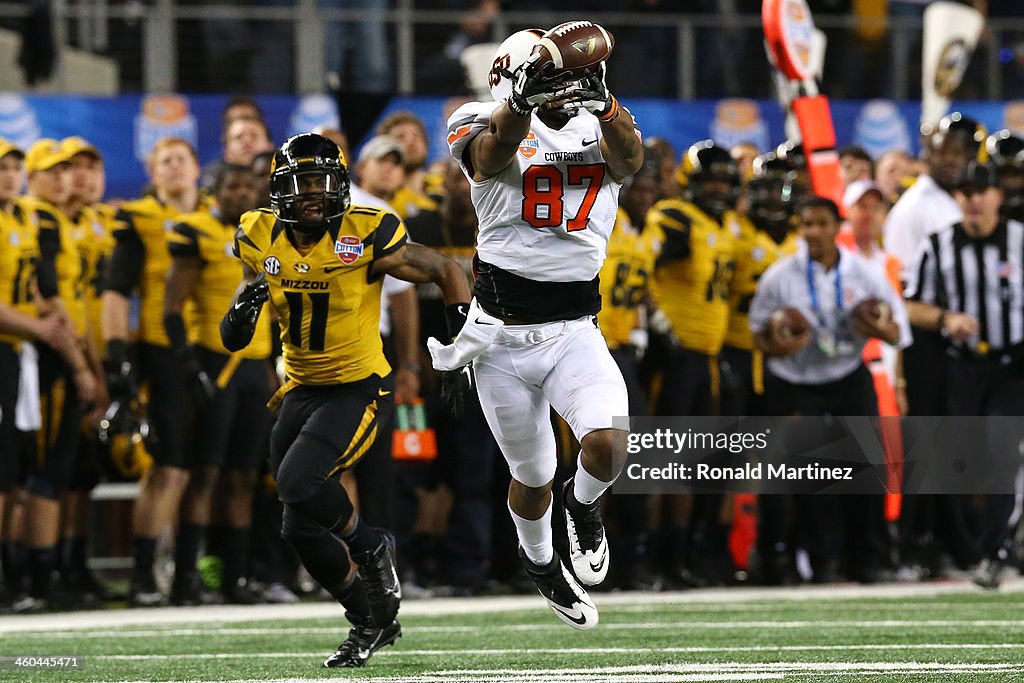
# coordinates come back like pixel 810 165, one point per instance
pixel 309 183
pixel 973 133
pixel 1006 152
pixel 123 433
pixel 1003 147
pixel 772 195
pixel 709 178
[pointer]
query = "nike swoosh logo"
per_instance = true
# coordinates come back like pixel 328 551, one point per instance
pixel 329 269
pixel 381 392
pixel 575 616
pixel 482 322
pixel 587 143
pixel 599 565
pixel 364 654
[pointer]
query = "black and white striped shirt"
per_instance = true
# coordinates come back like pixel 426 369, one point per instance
pixel 983 277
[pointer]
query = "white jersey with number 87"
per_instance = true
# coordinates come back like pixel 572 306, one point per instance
pixel 548 215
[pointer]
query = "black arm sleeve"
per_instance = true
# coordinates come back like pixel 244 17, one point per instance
pixel 389 237
pixel 235 334
pixel 175 327
pixel 677 240
pixel 46 273
pixel 125 269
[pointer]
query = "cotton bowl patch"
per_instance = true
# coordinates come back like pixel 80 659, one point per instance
pixel 348 249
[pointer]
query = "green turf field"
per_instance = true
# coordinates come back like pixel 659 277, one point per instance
pixel 937 633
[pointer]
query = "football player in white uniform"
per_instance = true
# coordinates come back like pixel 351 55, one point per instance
pixel 545 161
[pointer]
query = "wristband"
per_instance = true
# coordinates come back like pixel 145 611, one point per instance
pixel 175 328
pixel 455 317
pixel 117 352
pixel 519 108
pixel 612 113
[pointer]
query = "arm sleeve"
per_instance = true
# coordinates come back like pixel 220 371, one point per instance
pixel 125 267
pixel 467 122
pixel 389 236
pixel 675 228
pixel 183 240
pixel 46 273
pixel 245 249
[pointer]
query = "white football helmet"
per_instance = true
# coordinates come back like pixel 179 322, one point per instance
pixel 510 55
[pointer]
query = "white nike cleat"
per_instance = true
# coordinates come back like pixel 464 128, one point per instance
pixel 588 544
pixel 567 598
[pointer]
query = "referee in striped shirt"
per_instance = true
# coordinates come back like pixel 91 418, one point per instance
pixel 968 284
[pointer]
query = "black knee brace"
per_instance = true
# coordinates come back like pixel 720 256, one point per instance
pixel 329 507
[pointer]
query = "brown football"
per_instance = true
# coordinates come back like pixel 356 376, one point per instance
pixel 874 311
pixel 790 322
pixel 576 46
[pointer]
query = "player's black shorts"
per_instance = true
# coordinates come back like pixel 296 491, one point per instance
pixel 231 430
pixel 10 370
pixel 742 381
pixel 689 384
pixel 56 442
pixel 167 405
pixel 347 417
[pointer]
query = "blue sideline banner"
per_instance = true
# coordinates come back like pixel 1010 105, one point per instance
pixel 125 127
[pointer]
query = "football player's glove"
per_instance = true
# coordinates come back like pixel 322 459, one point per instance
pixel 250 302
pixel 457 387
pixel 120 372
pixel 536 86
pixel 199 383
pixel 593 94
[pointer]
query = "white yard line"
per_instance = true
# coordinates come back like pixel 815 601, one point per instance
pixel 450 606
pixel 554 627
pixel 678 673
pixel 493 652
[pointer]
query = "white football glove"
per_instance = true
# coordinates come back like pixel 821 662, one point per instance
pixel 479 332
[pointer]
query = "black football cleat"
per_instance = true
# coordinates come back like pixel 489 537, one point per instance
pixel 187 589
pixel 379 572
pixel 588 545
pixel 362 642
pixel 567 598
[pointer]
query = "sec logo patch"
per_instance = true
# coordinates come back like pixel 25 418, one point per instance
pixel 272 265
pixel 348 249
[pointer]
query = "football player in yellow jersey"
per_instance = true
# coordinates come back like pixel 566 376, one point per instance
pixel 765 234
pixel 140 262
pixel 691 289
pixel 232 427
pixel 58 439
pixel 692 273
pixel 320 261
pixel 625 279
pixel 92 223
pixel 91 235
pixel 19 321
